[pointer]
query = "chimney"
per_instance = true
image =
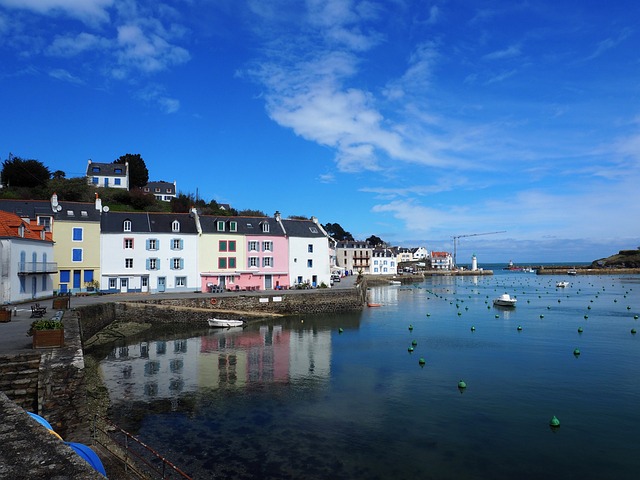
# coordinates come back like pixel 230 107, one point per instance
pixel 98 203
pixel 277 216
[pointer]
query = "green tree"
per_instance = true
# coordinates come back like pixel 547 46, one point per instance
pixel 251 213
pixel 17 172
pixel 375 241
pixel 336 231
pixel 71 189
pixel 58 174
pixel 138 173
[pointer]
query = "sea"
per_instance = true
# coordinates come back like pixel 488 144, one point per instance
pixel 377 394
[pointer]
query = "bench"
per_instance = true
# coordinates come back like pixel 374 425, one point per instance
pixel 37 311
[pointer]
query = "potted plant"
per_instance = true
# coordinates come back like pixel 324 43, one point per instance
pixel 5 314
pixel 92 286
pixel 47 333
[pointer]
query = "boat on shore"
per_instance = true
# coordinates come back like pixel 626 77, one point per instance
pixel 505 300
pixel 225 323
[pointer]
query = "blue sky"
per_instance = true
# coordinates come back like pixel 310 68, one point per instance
pixel 411 120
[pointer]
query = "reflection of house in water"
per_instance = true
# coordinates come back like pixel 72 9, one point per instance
pixel 227 358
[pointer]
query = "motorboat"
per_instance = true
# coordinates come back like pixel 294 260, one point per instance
pixel 225 323
pixel 505 300
pixel 395 282
pixel 573 271
pixel 562 284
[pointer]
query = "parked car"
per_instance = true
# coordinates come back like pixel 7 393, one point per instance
pixel 335 278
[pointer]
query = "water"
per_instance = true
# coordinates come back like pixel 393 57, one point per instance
pixel 296 399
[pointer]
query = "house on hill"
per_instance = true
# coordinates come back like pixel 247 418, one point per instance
pixel 114 175
pixel 163 191
pixel 25 253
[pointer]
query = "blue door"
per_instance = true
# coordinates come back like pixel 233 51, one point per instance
pixel 76 279
pixel 161 284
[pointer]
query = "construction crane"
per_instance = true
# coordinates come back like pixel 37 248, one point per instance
pixel 456 237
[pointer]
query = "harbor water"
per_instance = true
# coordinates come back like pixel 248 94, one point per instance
pixel 343 397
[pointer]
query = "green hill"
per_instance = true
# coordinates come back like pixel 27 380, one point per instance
pixel 623 259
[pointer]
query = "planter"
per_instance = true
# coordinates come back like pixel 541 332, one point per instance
pixel 48 338
pixel 5 316
pixel 61 303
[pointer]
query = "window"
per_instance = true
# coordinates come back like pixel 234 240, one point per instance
pixel 153 264
pixel 232 262
pixel 95 169
pixel 146 189
pixel 126 226
pixel 76 255
pixel 117 170
pixel 253 246
pixel 175 226
pixel 112 283
pixel 253 262
pixel 152 244
pixel 310 248
pixel 233 226
pixel 265 227
pixel 168 190
pixel 128 243
pixel 176 244
pixel 70 213
pixel 177 264
pixel 222 262
pixel 65 276
pixel 94 180
pixel 116 181
pixel 310 263
pixel 221 225
pixel 88 276
pixel 77 234
pixel 222 246
pixel 45 222
pixel 181 281
pixel 267 262
pixel 84 213
pixel 128 263
pixel 232 245
pixel 267 246
pixel 313 229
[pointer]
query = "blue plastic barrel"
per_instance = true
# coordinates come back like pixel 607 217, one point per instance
pixel 88 456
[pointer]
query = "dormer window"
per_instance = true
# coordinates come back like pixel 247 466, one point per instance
pixel 21 231
pixel 233 226
pixel 117 170
pixel 95 169
pixel 313 229
pixel 70 213
pixel 146 189
pixel 126 226
pixel 175 226
pixel 265 227
pixel 221 225
pixel 157 190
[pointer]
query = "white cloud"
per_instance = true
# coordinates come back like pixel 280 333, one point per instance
pixel 63 75
pixel 90 11
pixel 155 94
pixel 509 52
pixel 69 46
pixel 147 52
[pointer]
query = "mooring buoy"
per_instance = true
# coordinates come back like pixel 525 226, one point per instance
pixel 554 422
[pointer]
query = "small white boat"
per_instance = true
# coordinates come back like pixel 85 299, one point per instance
pixel 225 323
pixel 562 284
pixel 572 272
pixel 395 282
pixel 505 300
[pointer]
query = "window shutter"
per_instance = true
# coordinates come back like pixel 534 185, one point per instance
pixel 157 264
pixel 148 244
pixel 181 263
pixel 148 262
pixel 181 244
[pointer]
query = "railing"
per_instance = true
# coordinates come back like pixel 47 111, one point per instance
pixel 25 268
pixel 136 457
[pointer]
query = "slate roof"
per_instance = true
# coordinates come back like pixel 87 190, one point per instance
pixel 166 188
pixel 147 222
pixel 70 211
pixel 302 228
pixel 245 225
pixel 106 169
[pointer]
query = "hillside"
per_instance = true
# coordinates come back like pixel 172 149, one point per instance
pixel 623 259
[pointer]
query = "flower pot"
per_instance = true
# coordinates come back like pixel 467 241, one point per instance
pixel 5 316
pixel 48 338
pixel 61 303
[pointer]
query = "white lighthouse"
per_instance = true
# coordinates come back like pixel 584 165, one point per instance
pixel 474 263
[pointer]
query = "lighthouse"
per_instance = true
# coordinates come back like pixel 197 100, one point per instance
pixel 474 263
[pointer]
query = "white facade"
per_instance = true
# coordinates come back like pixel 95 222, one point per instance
pixel 309 261
pixel 26 269
pixel 420 253
pixel 149 262
pixel 383 262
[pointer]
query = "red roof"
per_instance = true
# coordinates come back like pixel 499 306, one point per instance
pixel 440 254
pixel 10 227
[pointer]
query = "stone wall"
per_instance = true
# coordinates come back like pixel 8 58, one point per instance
pixel 19 378
pixel 30 451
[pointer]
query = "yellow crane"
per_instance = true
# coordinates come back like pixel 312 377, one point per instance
pixel 457 237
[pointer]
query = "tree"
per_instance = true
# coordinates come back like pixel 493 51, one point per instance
pixel 17 172
pixel 375 241
pixel 58 175
pixel 337 232
pixel 71 189
pixel 297 217
pixel 138 173
pixel 251 213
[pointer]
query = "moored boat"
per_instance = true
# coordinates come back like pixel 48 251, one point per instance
pixel 562 284
pixel 505 300
pixel 225 323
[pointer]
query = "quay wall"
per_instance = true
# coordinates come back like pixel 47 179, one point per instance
pixel 588 271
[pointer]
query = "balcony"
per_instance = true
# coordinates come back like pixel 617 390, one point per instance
pixel 32 268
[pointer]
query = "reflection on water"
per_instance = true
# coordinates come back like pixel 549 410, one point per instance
pixel 298 398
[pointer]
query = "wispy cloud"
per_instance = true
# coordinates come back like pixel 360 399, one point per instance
pixel 609 43
pixel 72 45
pixel 156 94
pixel 89 11
pixel 63 75
pixel 509 52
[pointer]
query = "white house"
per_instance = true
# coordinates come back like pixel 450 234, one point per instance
pixel 419 253
pixel 26 254
pixel 309 252
pixel 383 261
pixel 148 252
pixel 163 191
pixel 441 261
pixel 114 175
